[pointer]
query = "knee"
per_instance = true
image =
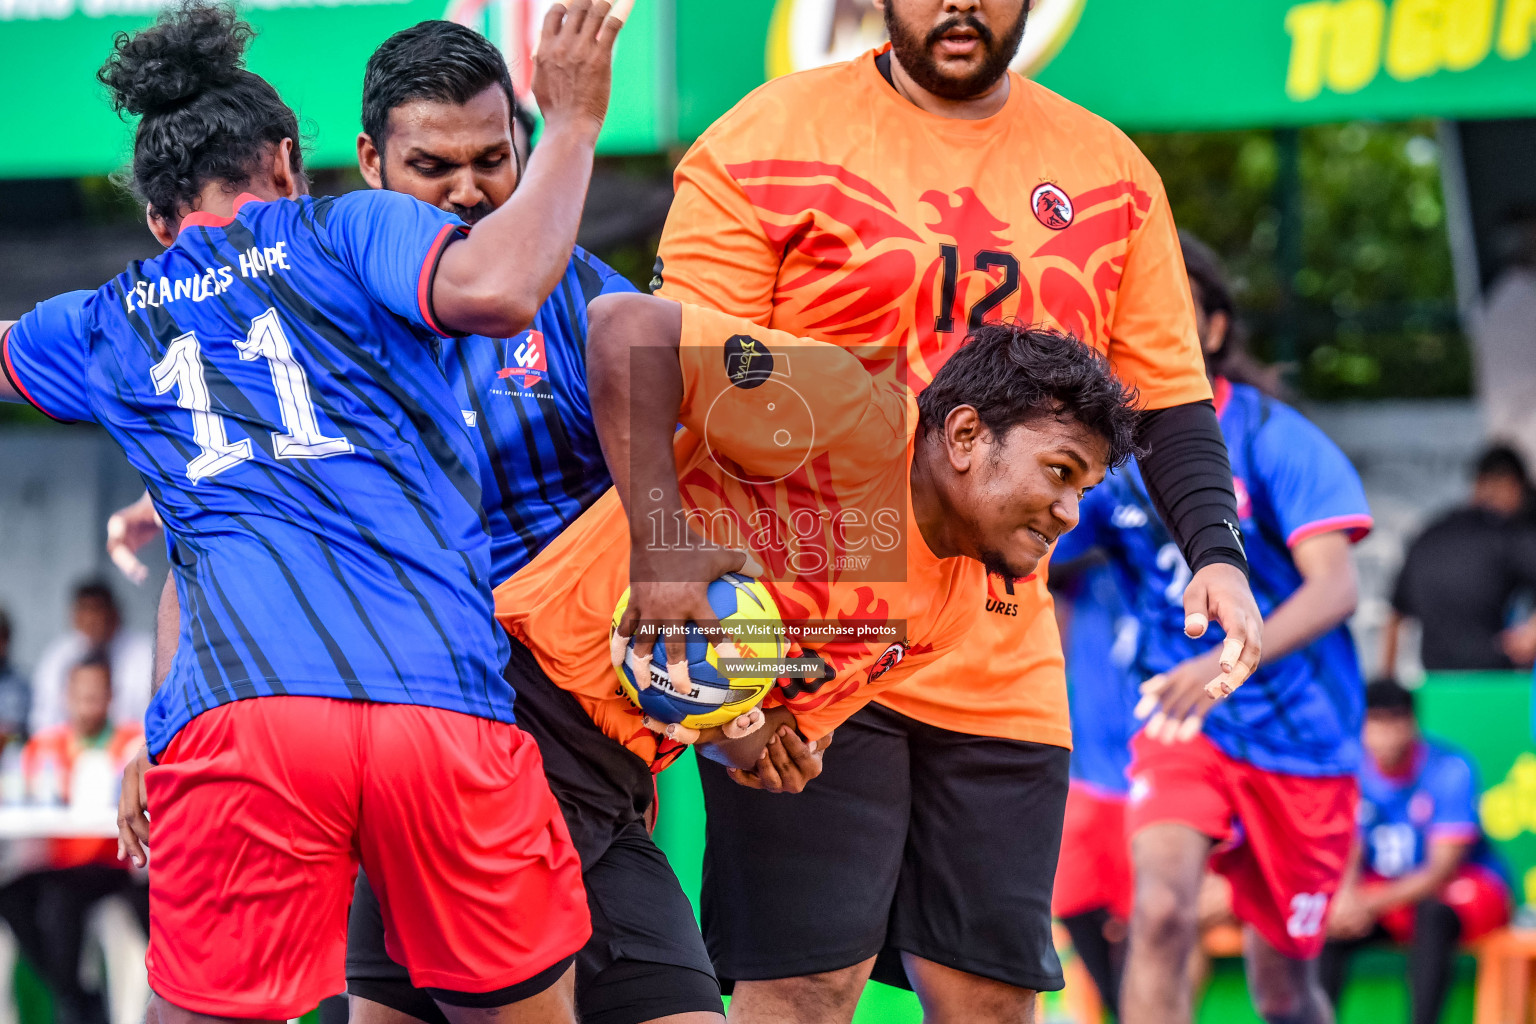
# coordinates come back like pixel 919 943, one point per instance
pixel 809 997
pixel 1164 918
pixel 1432 916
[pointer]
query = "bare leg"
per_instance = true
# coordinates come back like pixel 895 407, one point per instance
pixel 1285 991
pixel 956 997
pixel 1169 861
pixel 828 998
pixel 366 1011
pixel 163 1011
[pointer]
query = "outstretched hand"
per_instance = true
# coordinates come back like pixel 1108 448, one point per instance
pixel 128 530
pixel 573 65
pixel 1219 593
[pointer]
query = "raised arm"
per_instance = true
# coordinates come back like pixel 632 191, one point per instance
pixel 493 281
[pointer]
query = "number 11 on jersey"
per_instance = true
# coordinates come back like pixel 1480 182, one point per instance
pixel 182 368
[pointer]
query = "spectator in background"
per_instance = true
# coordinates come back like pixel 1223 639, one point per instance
pixel 96 629
pixel 77 763
pixel 1462 575
pixel 1422 872
pixel 1504 333
pixel 15 691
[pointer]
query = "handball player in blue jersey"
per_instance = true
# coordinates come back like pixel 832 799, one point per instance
pixel 1422 872
pixel 1092 894
pixel 336 692
pixel 438 116
pixel 1261 785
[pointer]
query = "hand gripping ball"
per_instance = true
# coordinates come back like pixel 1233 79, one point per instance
pixel 713 699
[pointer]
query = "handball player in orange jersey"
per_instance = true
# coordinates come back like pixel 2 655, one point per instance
pixel 891 204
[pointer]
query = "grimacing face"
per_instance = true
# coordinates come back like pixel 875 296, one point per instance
pixel 457 157
pixel 1023 491
pixel 955 49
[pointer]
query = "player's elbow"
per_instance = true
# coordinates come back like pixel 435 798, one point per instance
pixel 621 321
pixel 493 312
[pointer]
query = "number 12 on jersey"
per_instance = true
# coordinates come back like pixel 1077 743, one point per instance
pixel 182 369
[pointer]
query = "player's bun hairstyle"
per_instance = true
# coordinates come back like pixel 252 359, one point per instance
pixel 204 116
pixel 1012 374
pixel 1233 360
pixel 434 60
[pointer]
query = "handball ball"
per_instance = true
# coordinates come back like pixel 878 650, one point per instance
pixel 713 699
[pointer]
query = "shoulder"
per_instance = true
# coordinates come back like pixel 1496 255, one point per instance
pixel 1281 428
pixel 1088 131
pixel 1447 764
pixel 788 103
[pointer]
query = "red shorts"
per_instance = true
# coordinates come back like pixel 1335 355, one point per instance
pixel 263 808
pixel 1284 838
pixel 1478 894
pixel 1094 870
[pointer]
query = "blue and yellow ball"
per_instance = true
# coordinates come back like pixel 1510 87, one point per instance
pixel 714 698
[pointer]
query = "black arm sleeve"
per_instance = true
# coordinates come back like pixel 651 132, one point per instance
pixel 1189 480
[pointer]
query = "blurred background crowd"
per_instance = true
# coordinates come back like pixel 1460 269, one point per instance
pixel 1362 168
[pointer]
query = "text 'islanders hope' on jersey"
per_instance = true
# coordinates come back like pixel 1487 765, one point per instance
pixel 1301 714
pixel 274 379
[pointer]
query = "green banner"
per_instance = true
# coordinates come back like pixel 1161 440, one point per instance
pixel 58 122
pixel 1175 64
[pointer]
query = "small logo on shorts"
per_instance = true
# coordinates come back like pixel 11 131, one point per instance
pixel 748 362
pixel 1140 789
pixel 1052 207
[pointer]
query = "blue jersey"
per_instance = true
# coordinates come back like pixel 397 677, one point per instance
pixel 275 380
pixel 1101 642
pixel 1301 714
pixel 1436 799
pixel 525 402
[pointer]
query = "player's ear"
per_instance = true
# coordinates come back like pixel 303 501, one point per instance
pixel 158 227
pixel 287 180
pixel 962 432
pixel 370 161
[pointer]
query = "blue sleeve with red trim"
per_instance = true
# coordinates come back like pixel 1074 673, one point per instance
pixel 1312 487
pixel 1453 784
pixel 391 243
pixel 46 356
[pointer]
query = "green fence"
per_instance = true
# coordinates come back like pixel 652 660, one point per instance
pixel 1487 714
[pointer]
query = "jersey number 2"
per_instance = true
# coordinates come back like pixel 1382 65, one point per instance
pixel 182 369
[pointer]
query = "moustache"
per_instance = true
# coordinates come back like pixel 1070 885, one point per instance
pixel 473 214
pixel 961 21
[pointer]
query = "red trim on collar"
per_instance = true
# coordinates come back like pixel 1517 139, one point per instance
pixel 1221 392
pixel 199 219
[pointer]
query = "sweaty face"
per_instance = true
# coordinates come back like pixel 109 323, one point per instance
pixel 1023 492
pixel 458 157
pixel 1388 737
pixel 955 51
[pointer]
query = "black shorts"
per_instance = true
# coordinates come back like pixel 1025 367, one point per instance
pixel 913 839
pixel 646 958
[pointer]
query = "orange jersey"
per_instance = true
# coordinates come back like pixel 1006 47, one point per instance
pixel 791 449
pixel 826 205
pixel 58 750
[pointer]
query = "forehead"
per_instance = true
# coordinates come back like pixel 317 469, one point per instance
pixel 438 126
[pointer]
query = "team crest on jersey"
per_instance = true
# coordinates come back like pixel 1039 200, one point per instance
pixel 887 661
pixel 1052 206
pixel 747 361
pixel 529 365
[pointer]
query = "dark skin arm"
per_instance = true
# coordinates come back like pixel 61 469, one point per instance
pixel 632 348
pixel 493 281
pixel 1356 910
pixel 133 800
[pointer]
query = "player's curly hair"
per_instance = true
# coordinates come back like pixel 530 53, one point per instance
pixel 204 116
pixel 1012 374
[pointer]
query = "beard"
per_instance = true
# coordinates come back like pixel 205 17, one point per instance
pixel 996 564
pixel 916 55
